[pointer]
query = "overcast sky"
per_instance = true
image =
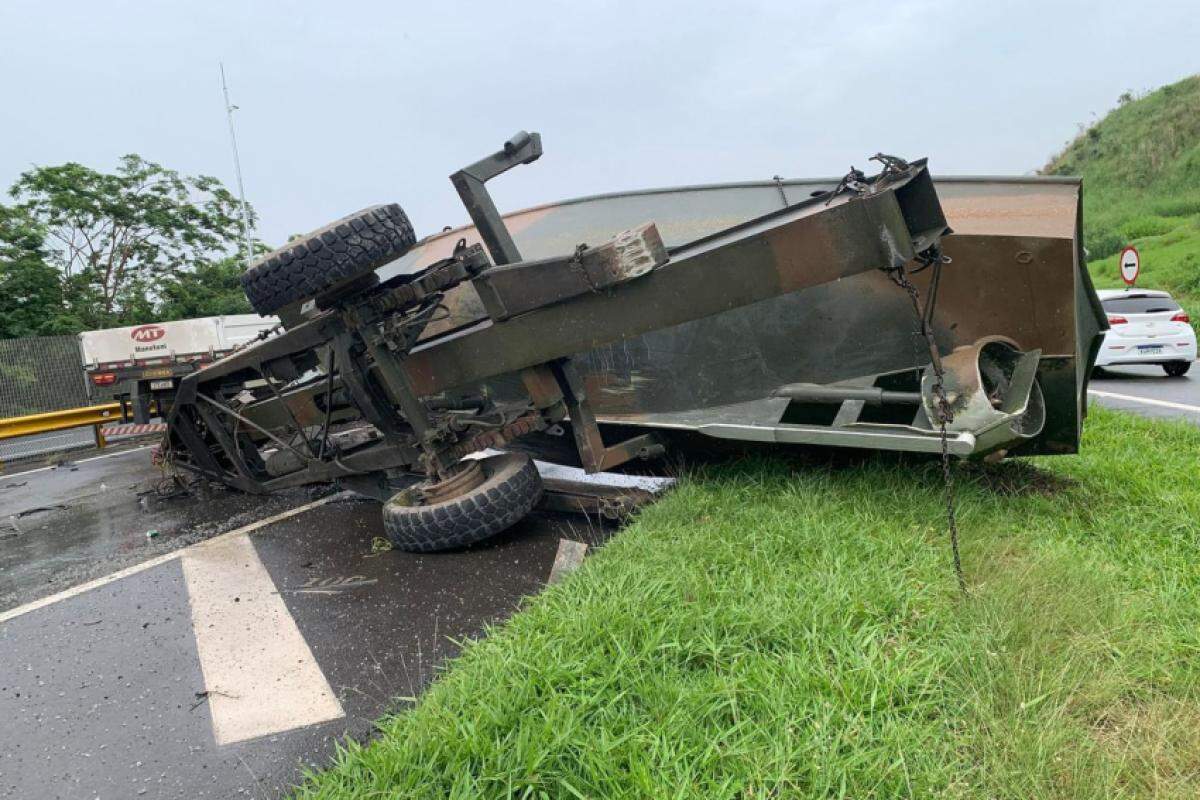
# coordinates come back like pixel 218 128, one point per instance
pixel 347 104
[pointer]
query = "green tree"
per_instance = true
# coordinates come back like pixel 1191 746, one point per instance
pixel 207 291
pixel 117 239
pixel 31 293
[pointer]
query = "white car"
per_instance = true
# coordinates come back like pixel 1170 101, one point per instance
pixel 1146 327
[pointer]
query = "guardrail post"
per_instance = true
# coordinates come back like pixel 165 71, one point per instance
pixel 101 441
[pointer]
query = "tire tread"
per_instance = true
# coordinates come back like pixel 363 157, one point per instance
pixel 327 257
pixel 509 493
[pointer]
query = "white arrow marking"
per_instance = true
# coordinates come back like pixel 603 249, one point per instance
pixel 260 674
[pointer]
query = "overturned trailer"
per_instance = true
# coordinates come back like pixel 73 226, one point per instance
pixel 886 312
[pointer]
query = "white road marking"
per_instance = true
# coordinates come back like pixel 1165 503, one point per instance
pixel 260 674
pixel 74 591
pixel 1146 400
pixel 80 461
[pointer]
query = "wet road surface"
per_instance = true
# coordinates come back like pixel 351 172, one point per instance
pixel 1148 391
pixel 63 525
pixel 226 667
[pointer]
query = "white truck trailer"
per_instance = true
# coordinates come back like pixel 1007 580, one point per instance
pixel 143 363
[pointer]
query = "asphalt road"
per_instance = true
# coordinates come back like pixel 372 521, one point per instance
pixel 218 661
pixel 1149 392
pixel 66 524
pixel 43 443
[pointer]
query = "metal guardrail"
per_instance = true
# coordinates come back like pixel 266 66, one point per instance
pixel 41 430
pixel 67 419
pixel 61 420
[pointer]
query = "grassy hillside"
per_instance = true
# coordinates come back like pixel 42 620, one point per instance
pixel 1141 171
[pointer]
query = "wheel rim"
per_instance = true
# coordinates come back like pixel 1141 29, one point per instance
pixel 467 477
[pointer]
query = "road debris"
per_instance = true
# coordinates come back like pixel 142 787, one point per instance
pixel 567 560
pixel 202 697
pixel 379 545
pixel 332 585
pixel 39 510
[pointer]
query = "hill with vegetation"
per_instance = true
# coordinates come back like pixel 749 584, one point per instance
pixel 1141 186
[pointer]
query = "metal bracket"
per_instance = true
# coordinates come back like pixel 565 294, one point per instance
pixel 593 453
pixel 522 148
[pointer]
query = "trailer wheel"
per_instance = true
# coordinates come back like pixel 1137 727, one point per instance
pixel 328 257
pixel 508 489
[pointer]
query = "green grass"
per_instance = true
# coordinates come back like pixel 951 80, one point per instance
pixel 1141 185
pixel 778 629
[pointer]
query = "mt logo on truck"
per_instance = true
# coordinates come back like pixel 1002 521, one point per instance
pixel 148 333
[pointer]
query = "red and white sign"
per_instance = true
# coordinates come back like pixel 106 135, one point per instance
pixel 132 429
pixel 1131 264
pixel 147 333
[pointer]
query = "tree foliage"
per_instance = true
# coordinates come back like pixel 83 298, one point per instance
pixel 210 290
pixel 82 249
pixel 31 298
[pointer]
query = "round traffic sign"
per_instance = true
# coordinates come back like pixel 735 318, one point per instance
pixel 1131 264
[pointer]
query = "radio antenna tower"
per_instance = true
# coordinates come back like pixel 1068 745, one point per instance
pixel 237 168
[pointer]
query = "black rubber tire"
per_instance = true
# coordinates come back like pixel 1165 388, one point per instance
pixel 510 490
pixel 319 261
pixel 1177 369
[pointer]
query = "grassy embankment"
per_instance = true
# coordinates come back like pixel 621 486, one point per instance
pixel 794 630
pixel 1141 171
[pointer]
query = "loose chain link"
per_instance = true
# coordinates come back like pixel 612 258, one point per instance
pixel 944 414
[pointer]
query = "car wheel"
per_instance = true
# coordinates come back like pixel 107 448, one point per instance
pixel 328 258
pixel 431 517
pixel 1176 369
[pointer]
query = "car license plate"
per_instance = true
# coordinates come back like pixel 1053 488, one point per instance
pixel 159 385
pixel 1149 349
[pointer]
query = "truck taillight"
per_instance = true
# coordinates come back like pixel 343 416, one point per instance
pixel 104 378
pixel 1113 319
pixel 1182 316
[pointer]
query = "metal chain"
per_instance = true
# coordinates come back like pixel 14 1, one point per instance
pixel 944 414
pixel 576 264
